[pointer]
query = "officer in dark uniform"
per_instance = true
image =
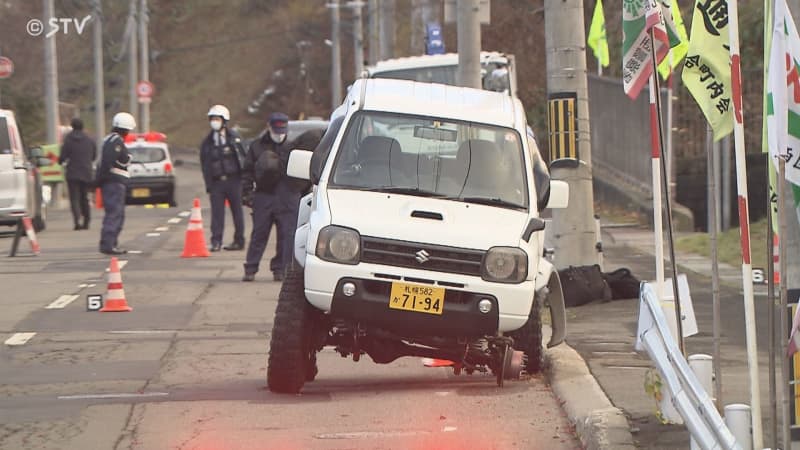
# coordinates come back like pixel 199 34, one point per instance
pixel 273 197
pixel 221 157
pixel 112 178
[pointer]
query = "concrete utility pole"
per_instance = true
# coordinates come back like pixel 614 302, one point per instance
pixel 469 44
pixel 50 78
pixel 575 235
pixel 358 38
pixel 144 65
pixel 422 12
pixel 373 31
pixel 336 56
pixel 133 73
pixel 99 92
pixel 386 34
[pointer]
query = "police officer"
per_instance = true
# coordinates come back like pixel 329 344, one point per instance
pixel 112 178
pixel 273 197
pixel 221 157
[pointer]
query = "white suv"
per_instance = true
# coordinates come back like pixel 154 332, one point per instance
pixel 422 236
pixel 20 180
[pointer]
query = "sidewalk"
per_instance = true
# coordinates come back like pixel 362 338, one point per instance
pixel 604 334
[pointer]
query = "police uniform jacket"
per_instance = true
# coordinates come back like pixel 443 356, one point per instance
pixel 265 167
pixel 114 161
pixel 221 160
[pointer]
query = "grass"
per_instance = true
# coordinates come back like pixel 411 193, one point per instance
pixel 729 245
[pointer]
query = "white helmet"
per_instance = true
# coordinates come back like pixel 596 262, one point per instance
pixel 221 111
pixel 123 120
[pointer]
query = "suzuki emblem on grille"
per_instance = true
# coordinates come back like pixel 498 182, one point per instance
pixel 422 256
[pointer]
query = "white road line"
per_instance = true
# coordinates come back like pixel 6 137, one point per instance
pixel 162 229
pixel 174 220
pixel 153 234
pixel 135 252
pixel 105 396
pixel 449 429
pixel 142 331
pixel 83 285
pixel 91 285
pixel 61 302
pixel 185 213
pixel 369 434
pixel 19 339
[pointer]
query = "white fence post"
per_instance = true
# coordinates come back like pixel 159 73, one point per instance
pixel 737 418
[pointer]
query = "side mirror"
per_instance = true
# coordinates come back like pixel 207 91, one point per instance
pixel 559 194
pixel 299 164
pixel 177 162
pixel 36 152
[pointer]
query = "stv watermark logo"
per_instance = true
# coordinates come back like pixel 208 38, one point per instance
pixel 65 25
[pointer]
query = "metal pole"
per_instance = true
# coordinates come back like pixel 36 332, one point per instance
pixel 726 183
pixel 386 34
pixel 358 39
pixel 713 230
pixel 658 220
pixel 744 224
pixel 50 79
pixel 469 44
pixel 670 160
pixel 373 31
pixel 785 366
pixel 336 56
pixel 133 73
pixel 773 393
pixel 99 92
pixel 144 19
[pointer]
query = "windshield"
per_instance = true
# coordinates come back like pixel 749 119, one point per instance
pixel 426 156
pixel 494 75
pixel 147 154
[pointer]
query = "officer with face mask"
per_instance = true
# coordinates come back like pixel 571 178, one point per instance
pixel 221 158
pixel 273 197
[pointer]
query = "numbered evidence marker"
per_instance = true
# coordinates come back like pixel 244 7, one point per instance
pixel 94 302
pixel 759 277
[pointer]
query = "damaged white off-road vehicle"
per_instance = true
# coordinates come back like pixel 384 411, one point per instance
pixel 422 236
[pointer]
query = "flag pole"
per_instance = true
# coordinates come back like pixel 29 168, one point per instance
pixel 784 301
pixel 713 226
pixel 658 221
pixel 744 224
pixel 657 140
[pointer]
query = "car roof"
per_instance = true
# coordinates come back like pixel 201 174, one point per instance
pixel 439 100
pixel 445 59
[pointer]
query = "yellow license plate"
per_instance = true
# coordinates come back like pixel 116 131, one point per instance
pixel 140 192
pixel 417 298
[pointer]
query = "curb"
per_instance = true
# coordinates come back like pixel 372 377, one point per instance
pixel 598 423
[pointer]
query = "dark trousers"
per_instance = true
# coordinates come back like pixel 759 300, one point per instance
pixel 229 189
pixel 79 201
pixel 114 205
pixel 271 209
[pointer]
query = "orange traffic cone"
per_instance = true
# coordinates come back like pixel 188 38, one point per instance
pixel 31 233
pixel 98 198
pixel 194 245
pixel 115 295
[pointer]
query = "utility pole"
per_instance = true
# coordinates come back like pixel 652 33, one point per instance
pixel 565 41
pixel 386 35
pixel 144 65
pixel 133 74
pixel 99 92
pixel 373 31
pixel 336 56
pixel 50 78
pixel 469 43
pixel 358 38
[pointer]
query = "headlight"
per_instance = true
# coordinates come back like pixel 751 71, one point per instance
pixel 339 245
pixel 505 265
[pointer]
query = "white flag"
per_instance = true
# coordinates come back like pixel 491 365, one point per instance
pixel 783 93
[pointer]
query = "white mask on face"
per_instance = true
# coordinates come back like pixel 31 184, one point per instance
pixel 216 124
pixel 277 138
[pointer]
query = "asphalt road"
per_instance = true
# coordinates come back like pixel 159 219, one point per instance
pixel 186 368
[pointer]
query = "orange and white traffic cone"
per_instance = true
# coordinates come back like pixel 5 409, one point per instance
pixel 776 259
pixel 31 233
pixel 115 294
pixel 98 198
pixel 194 245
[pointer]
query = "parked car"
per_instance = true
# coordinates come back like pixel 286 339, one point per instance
pixel 422 236
pixel 21 191
pixel 152 170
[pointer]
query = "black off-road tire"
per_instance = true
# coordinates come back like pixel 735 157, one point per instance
pixel 289 346
pixel 528 339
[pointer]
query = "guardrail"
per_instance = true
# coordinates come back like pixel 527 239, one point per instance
pixel 687 395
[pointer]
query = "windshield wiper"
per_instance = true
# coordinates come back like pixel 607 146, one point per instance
pixel 492 202
pixel 404 190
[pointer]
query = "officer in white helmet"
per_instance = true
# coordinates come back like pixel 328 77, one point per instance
pixel 112 179
pixel 222 159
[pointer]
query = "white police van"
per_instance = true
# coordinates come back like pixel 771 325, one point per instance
pixel 152 171
pixel 422 236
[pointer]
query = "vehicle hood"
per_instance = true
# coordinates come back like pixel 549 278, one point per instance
pixel 465 225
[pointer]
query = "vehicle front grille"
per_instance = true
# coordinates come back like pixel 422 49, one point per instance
pixel 421 256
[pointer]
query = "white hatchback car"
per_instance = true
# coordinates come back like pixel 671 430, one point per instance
pixel 21 191
pixel 422 236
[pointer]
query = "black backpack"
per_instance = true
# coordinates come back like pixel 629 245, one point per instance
pixel 269 169
pixel 583 284
pixel 623 284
